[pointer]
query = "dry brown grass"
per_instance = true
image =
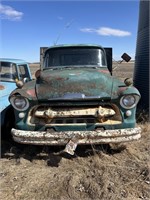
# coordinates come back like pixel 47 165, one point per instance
pixel 99 172
pixel 94 173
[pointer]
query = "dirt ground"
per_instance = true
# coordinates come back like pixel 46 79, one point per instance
pixel 95 172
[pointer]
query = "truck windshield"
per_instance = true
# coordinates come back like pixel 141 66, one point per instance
pixel 11 72
pixel 74 57
pixel 7 71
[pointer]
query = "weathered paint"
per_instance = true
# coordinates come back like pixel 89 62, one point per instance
pixel 2 87
pixel 7 88
pixel 7 85
pixel 75 83
pixel 31 92
pixel 129 90
pixel 71 118
pixel 104 71
pixel 28 91
pixel 77 137
pixel 74 45
pixel 71 112
pixel 75 105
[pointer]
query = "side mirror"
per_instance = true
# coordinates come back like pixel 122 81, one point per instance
pixel 126 57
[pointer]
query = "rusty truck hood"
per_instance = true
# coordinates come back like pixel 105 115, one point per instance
pixel 79 83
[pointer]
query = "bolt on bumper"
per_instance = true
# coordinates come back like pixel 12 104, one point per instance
pixel 80 137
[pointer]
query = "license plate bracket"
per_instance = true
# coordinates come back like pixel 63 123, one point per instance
pixel 71 147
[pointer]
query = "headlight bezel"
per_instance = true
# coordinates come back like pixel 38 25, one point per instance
pixel 125 101
pixel 17 104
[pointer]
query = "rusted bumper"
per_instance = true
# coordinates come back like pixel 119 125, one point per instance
pixel 79 137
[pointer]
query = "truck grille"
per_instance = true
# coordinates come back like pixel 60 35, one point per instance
pixel 46 115
pixel 74 121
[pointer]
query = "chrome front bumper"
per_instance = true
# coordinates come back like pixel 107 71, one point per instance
pixel 72 138
pixel 81 137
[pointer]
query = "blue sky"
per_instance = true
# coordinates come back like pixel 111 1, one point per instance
pixel 28 25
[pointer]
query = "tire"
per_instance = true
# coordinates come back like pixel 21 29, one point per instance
pixel 9 122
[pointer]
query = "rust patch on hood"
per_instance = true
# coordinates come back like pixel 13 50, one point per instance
pixel 121 90
pixel 104 71
pixel 2 87
pixel 31 92
pixel 73 84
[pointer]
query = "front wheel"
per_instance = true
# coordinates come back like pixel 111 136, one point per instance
pixel 8 124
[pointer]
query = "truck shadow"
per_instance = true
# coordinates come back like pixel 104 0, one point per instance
pixel 51 155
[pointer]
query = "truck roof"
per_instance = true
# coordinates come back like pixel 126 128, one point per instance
pixel 75 45
pixel 17 61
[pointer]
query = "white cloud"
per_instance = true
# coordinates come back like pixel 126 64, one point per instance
pixel 7 12
pixel 88 30
pixel 106 31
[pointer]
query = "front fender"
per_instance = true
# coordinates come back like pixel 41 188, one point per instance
pixel 28 91
pixel 131 90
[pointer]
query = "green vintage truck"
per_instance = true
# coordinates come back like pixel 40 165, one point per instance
pixel 75 100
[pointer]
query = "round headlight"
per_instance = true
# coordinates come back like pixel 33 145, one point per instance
pixel 128 101
pixel 19 103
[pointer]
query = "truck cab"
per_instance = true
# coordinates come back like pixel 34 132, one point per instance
pixel 11 71
pixel 75 100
